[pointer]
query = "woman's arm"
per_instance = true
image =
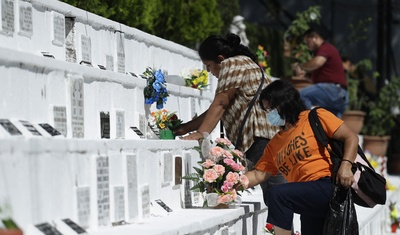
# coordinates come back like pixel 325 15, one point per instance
pixel 213 114
pixel 190 126
pixel 256 177
pixel 350 140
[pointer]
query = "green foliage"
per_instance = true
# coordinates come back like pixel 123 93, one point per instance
pixel 294 34
pixel 357 97
pixel 186 22
pixel 380 117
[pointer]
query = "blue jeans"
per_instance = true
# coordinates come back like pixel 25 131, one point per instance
pixel 254 154
pixel 329 96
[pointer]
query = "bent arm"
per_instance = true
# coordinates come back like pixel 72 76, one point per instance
pixel 350 140
pixel 213 114
pixel 315 63
pixel 256 177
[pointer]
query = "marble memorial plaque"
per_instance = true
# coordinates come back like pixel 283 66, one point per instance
pixel 103 191
pixel 7 17
pixel 109 62
pixel 60 119
pixel 132 179
pixel 86 49
pixel 167 168
pixel 120 53
pixel 49 129
pixel 58 28
pixel 119 203
pixel 78 229
pixel 25 19
pixel 193 107
pixel 145 195
pixel 142 123
pixel 47 229
pixel 137 131
pixel 77 108
pixel 9 127
pixel 178 170
pixel 120 125
pixel 163 205
pixel 105 125
pixel 187 194
pixel 83 199
pixel 30 128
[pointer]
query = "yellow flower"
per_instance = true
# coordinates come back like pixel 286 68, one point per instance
pixel 161 125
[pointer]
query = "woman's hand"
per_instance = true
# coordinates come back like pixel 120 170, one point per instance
pixel 344 175
pixel 193 136
pixel 180 130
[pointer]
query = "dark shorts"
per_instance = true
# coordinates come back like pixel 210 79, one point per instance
pixel 308 199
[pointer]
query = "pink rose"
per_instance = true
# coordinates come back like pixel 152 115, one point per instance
pixel 220 169
pixel 210 175
pixel 216 151
pixel 228 154
pixel 238 153
pixel 228 184
pixel 229 161
pixel 232 177
pixel 208 163
pixel 223 141
pixel 224 188
pixel 236 166
pixel 244 181
pixel 233 194
pixel 224 198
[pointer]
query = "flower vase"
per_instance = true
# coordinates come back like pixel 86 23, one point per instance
pixel 167 135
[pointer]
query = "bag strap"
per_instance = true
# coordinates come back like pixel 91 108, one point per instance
pixel 239 136
pixel 321 137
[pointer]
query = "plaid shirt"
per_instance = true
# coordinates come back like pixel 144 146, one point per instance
pixel 242 73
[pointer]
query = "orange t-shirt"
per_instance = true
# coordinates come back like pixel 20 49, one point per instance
pixel 296 153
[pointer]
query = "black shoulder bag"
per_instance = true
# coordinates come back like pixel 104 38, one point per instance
pixel 369 188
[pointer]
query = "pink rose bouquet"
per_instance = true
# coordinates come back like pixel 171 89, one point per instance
pixel 221 172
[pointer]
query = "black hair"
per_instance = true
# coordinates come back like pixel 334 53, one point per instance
pixel 315 30
pixel 214 45
pixel 285 98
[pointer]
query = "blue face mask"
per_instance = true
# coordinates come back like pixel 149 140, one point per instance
pixel 274 118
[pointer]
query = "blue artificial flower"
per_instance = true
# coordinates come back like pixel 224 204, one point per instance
pixel 159 76
pixel 157 86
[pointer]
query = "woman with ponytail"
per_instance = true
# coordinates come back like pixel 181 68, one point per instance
pixel 239 78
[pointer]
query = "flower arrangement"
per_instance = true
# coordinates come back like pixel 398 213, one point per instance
pixel 269 229
pixel 164 120
pixel 156 89
pixel 195 78
pixel 262 56
pixel 221 172
pixel 394 217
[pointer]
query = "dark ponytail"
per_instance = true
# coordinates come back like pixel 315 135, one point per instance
pixel 213 46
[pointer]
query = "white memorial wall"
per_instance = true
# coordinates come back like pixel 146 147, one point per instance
pixel 71 96
pixel 71 108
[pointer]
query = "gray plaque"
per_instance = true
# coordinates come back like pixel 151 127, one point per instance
pixel 120 53
pixel 120 125
pixel 77 114
pixel 9 127
pixel 105 125
pixel 58 33
pixel 103 191
pixel 142 123
pixel 60 119
pixel 109 63
pixel 167 168
pixel 7 17
pixel 47 229
pixel 119 203
pixel 78 229
pixel 187 196
pixel 83 195
pixel 131 164
pixel 86 47
pixel 25 19
pixel 30 128
pixel 49 129
pixel 145 194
